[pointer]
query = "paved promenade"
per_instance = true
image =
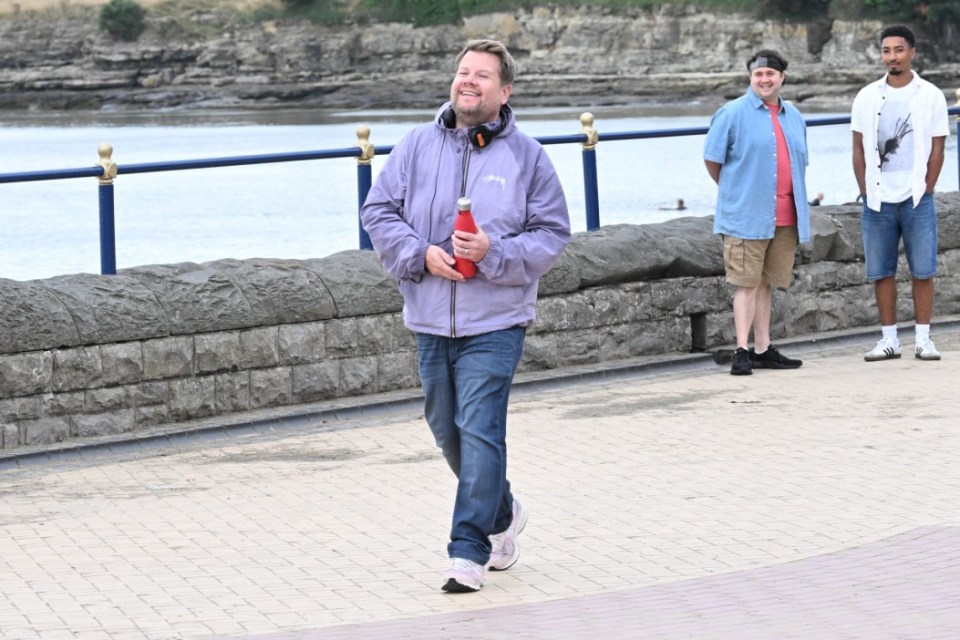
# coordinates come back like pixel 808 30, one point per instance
pixel 666 502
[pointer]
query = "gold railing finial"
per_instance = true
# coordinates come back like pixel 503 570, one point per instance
pixel 105 150
pixel 366 147
pixel 586 119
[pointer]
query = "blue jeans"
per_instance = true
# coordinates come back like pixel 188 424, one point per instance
pixel 466 382
pixel 883 229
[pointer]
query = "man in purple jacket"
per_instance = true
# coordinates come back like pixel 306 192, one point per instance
pixel 470 332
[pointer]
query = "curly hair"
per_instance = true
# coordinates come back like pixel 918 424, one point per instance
pixel 899 31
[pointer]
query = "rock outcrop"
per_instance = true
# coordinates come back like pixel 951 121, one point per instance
pixel 569 56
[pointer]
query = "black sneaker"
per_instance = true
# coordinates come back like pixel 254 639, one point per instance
pixel 742 364
pixel 773 359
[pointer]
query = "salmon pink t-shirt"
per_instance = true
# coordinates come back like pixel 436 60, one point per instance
pixel 786 207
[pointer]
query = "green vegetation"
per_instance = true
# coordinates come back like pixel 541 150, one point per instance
pixel 123 19
pixel 421 13
pixel 321 11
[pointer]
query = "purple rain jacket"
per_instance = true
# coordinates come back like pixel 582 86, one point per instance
pixel 517 200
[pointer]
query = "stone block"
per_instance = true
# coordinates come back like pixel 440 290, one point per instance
pixel 686 296
pixel 10 436
pixel 677 335
pixel 578 347
pixel 103 423
pixel 618 342
pixel 106 399
pixel 232 391
pixel 32 318
pixel 358 376
pixel 278 291
pixel 217 352
pixel 270 387
pixel 149 393
pixel 539 352
pixel 44 431
pixel 259 348
pixel 359 336
pixel 151 415
pixel 668 334
pixel 397 371
pixel 357 283
pixel 404 339
pixel 315 382
pixel 720 330
pixel 24 374
pixel 195 298
pixel 64 404
pixel 564 313
pixel 665 297
pixel 302 343
pixel 167 358
pixel 612 305
pixel 77 368
pixel 110 309
pixel 122 363
pixel 635 302
pixel 563 278
pixel 26 408
pixel 192 398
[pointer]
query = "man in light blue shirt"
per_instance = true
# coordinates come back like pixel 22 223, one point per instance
pixel 756 152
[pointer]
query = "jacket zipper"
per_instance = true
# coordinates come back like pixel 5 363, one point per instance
pixel 453 283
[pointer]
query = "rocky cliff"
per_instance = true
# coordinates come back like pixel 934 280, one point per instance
pixel 568 56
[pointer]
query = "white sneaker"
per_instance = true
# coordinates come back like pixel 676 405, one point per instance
pixel 505 549
pixel 463 576
pixel 886 349
pixel 926 351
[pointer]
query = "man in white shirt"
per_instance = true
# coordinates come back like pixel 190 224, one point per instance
pixel 899 126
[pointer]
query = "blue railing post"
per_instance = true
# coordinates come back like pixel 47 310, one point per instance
pixel 108 244
pixel 591 192
pixel 364 178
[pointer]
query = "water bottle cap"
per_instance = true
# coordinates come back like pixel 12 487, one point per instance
pixel 463 204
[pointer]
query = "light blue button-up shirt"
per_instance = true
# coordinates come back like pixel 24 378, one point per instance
pixel 741 139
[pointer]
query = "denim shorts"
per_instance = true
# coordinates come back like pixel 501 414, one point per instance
pixel 882 231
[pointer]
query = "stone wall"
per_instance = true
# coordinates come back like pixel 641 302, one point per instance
pixel 88 355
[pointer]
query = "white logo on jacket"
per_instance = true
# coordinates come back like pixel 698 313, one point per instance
pixel 498 179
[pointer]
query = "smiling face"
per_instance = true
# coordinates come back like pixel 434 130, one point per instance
pixel 766 83
pixel 897 56
pixel 476 92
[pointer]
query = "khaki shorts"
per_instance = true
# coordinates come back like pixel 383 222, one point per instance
pixel 750 262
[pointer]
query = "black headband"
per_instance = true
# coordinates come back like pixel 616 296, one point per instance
pixel 762 61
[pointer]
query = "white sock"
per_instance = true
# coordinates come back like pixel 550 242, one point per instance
pixel 922 332
pixel 890 333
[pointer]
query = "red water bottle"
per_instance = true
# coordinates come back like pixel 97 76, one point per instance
pixel 465 222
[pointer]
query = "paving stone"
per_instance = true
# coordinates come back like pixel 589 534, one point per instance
pixel 676 502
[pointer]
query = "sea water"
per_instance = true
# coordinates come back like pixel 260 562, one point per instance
pixel 308 209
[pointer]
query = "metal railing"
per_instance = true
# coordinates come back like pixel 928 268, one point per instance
pixel 106 171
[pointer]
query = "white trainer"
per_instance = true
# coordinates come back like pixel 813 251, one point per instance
pixel 463 576
pixel 886 349
pixel 926 351
pixel 505 548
